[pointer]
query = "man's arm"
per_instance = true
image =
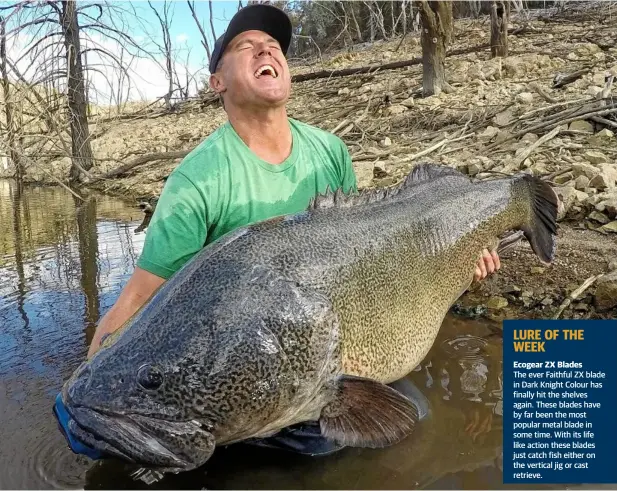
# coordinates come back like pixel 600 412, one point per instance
pixel 177 231
pixel 140 287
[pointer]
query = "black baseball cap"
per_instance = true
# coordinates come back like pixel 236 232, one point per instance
pixel 259 17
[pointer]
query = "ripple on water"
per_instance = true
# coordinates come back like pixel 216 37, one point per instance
pixel 471 372
pixel 35 454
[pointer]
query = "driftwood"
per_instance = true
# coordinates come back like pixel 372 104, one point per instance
pixel 144 159
pixel 575 294
pixel 563 79
pixel 301 77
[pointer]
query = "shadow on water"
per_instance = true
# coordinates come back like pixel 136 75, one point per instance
pixel 63 263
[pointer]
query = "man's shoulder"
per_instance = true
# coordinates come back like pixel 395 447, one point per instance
pixel 207 157
pixel 316 133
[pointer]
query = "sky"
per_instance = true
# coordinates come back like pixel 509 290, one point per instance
pixel 146 75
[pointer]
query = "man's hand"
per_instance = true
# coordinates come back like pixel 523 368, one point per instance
pixel 140 287
pixel 488 264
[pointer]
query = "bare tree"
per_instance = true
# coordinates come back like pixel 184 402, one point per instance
pixel 500 12
pixel 204 38
pixel 212 20
pixel 52 80
pixel 76 92
pixel 437 23
pixel 8 107
pixel 166 50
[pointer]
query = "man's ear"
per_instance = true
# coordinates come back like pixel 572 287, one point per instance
pixel 217 84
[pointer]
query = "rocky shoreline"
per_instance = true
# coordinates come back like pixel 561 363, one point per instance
pixel 547 109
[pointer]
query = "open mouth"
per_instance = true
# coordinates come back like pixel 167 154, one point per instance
pixel 266 70
pixel 130 437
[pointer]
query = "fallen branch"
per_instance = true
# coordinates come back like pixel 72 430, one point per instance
pixel 437 146
pixel 575 294
pixel 553 175
pixel 562 79
pixel 549 125
pixel 144 159
pixel 553 106
pixel 529 150
pixel 543 93
pixel 302 77
pixel 607 122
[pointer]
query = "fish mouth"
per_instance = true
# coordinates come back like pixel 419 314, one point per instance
pixel 267 70
pixel 131 437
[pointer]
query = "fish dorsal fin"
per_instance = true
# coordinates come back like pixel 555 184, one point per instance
pixel 421 172
pixel 426 171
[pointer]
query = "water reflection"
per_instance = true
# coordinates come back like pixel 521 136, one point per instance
pixel 63 262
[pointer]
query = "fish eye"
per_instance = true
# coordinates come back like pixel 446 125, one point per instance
pixel 149 377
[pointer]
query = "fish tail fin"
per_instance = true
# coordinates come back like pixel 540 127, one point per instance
pixel 540 228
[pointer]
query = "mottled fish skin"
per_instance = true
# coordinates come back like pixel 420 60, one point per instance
pixel 254 332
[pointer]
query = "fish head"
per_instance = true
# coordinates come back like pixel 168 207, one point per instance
pixel 189 371
pixel 136 401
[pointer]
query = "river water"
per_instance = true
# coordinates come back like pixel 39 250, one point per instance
pixel 62 265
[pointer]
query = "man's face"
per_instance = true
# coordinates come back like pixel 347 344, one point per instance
pixel 254 72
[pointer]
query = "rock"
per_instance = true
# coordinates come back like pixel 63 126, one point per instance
pixel 606 292
pixel 344 91
pixel 581 183
pixel 409 102
pixel 586 170
pixel 593 90
pixel 596 157
pixel 537 270
pixel 608 206
pixel 503 118
pixel 587 49
pixel 563 178
pixel 473 169
pixel 602 136
pixel 496 303
pixel 396 109
pixel 572 57
pixel 512 289
pixel 386 142
pixel 613 71
pixel 568 197
pixel 512 66
pixel 537 169
pixel 598 78
pixel 612 265
pixel 546 301
pixel 606 179
pixel 609 227
pixel 525 97
pixel 580 307
pixel 475 72
pixel 503 135
pixel 488 134
pixel 530 138
pixel 581 125
pixel 596 216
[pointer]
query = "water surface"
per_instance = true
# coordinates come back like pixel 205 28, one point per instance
pixel 63 263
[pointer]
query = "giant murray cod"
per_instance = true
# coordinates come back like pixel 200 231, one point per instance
pixel 300 318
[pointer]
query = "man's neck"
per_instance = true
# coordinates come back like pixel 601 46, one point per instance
pixel 266 133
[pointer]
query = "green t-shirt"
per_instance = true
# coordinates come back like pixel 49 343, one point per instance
pixel 222 185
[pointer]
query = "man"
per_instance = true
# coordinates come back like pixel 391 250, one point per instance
pixel 257 165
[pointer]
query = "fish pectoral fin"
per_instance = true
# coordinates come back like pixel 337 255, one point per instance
pixel 366 413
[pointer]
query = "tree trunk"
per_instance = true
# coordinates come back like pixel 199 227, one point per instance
pixel 499 28
pixel 436 35
pixel 8 107
pixel 76 97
